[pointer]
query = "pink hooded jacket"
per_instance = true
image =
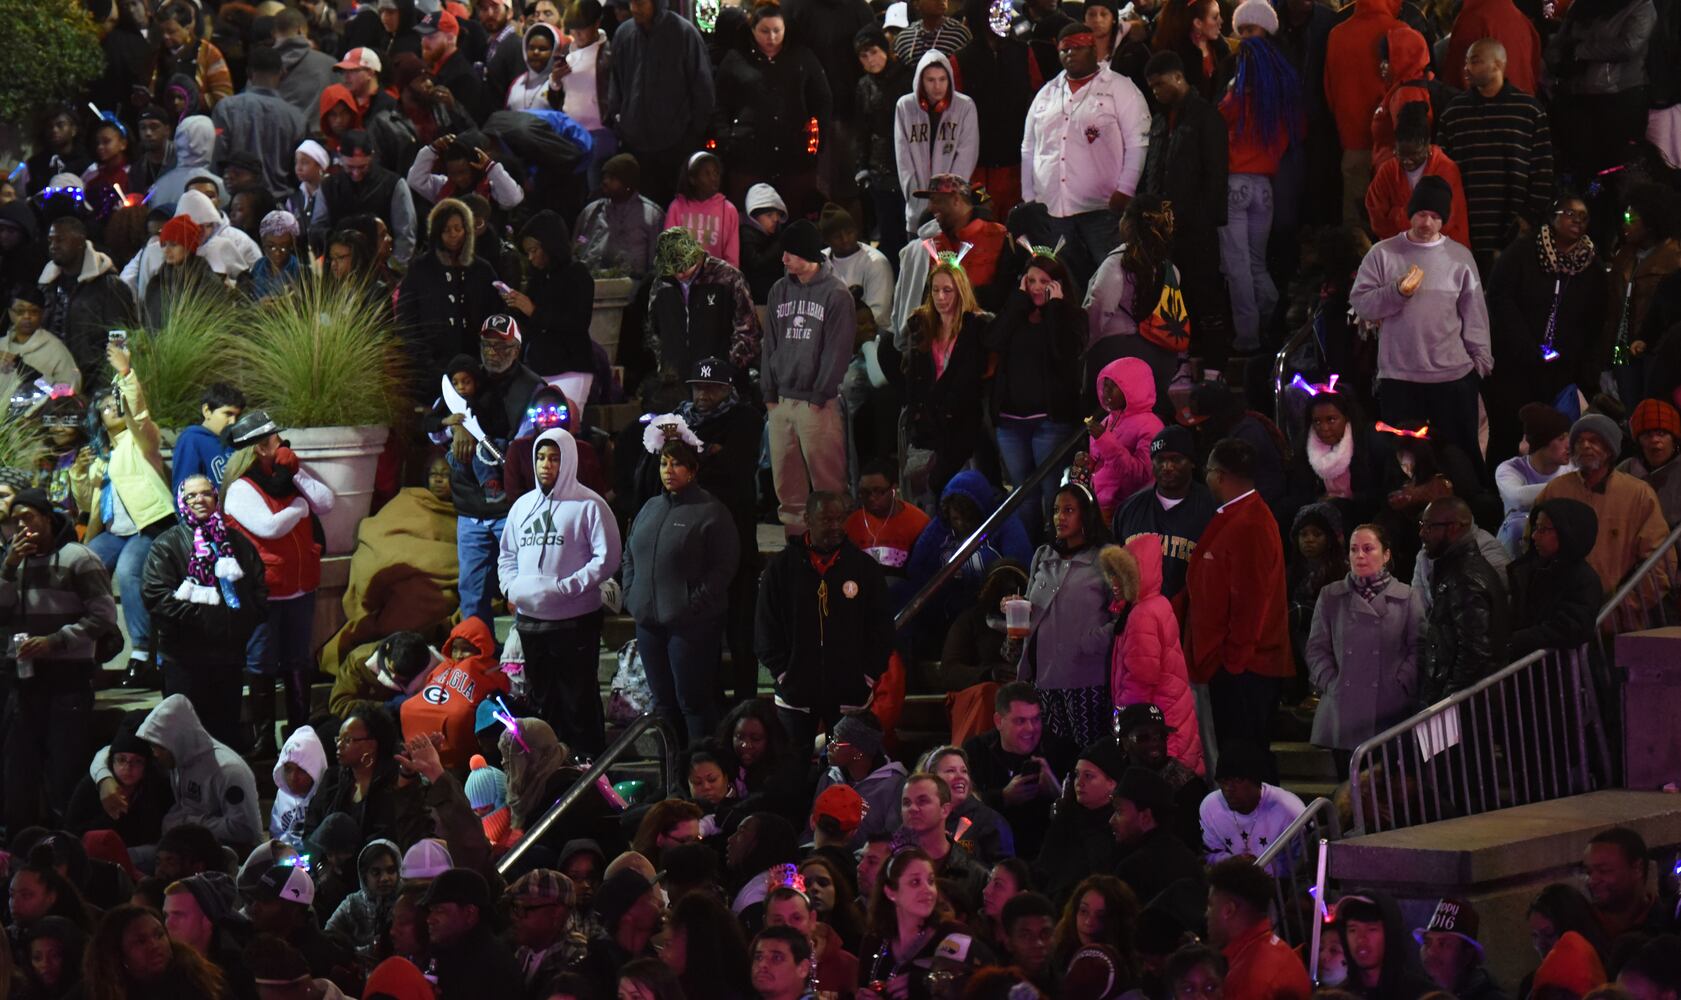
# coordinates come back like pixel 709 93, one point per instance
pixel 1148 664
pixel 1120 456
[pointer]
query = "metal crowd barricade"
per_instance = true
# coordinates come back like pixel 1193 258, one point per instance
pixel 1294 861
pixel 1521 735
pixel 588 782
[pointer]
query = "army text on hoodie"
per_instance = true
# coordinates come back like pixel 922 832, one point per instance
pixel 557 546
pixel 933 137
pixel 810 331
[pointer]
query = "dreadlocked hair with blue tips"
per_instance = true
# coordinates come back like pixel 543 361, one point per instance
pixel 1267 91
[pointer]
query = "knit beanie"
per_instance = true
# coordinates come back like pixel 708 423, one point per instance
pixel 1599 424
pixel 1572 965
pixel 181 231
pixel 487 786
pixel 1655 415
pixel 854 731
pixel 624 169
pixel 1258 13
pixel 1541 425
pixel 1431 194
pixel 802 239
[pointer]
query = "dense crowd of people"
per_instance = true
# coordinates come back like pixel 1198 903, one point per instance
pixel 889 265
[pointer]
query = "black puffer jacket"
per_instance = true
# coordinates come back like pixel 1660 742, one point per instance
pixel 1555 601
pixel 202 633
pixel 873 124
pixel 557 335
pixel 1465 631
pixel 764 105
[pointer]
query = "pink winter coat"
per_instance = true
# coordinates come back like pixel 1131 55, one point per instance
pixel 1120 456
pixel 1148 664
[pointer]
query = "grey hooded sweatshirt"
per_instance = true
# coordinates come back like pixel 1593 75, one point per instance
pixel 361 914
pixel 195 142
pixel 931 139
pixel 213 786
pixel 809 335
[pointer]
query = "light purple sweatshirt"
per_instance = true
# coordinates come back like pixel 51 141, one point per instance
pixel 1439 334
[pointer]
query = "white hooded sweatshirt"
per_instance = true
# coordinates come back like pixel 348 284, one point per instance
pixel 286 820
pixel 558 546
pixel 922 148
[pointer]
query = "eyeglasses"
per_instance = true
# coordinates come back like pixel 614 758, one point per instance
pixel 1435 525
pixel 1579 214
pixel 344 739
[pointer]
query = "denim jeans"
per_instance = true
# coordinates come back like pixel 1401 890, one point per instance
pixel 1023 444
pixel 478 543
pixel 682 668
pixel 1089 237
pixel 125 559
pixel 281 646
pixel 1243 255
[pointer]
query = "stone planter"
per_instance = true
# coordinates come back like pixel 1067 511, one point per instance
pixel 612 295
pixel 344 459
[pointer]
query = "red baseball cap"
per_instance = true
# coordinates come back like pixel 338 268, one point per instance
pixel 842 804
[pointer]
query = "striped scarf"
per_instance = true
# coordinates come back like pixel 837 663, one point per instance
pixel 211 568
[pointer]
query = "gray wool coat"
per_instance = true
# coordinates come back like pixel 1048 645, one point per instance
pixel 1363 658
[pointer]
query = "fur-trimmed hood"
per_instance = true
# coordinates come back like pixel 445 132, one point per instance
pixel 435 224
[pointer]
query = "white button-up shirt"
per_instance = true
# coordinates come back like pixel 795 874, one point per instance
pixel 1081 147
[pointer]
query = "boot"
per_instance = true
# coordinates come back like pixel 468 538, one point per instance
pixel 142 673
pixel 262 716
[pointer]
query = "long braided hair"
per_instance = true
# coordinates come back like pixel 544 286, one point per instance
pixel 1147 228
pixel 1267 91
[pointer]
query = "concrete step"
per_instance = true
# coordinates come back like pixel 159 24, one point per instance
pixel 1304 760
pixel 1308 790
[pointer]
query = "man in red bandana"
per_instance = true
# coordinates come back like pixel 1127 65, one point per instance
pixel 1083 151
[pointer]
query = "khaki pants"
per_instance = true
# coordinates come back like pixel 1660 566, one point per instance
pixel 807 452
pixel 1356 177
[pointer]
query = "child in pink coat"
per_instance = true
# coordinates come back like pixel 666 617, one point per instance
pixel 1120 443
pixel 701 209
pixel 1148 664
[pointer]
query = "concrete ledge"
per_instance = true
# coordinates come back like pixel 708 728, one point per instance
pixel 1511 843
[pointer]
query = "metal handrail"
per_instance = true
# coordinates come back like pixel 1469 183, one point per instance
pixel 1286 857
pixel 587 781
pixel 1641 576
pixel 1279 364
pixel 1458 765
pixel 1007 509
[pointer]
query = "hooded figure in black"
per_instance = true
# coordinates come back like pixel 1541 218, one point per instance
pixel 1001 75
pixel 562 295
pixel 23 251
pixel 1395 973
pixel 68 974
pixel 1555 593
pixel 447 294
pixel 366 29
pixel 147 793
